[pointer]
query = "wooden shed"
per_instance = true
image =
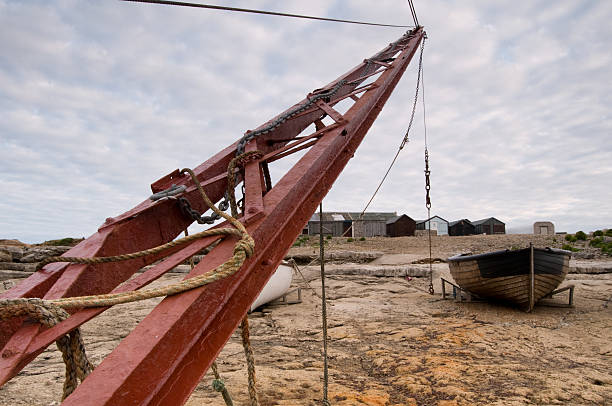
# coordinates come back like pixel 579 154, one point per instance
pixel 400 226
pixel 371 224
pixel 489 225
pixel 369 228
pixel 437 223
pixel 351 224
pixel 461 227
pixel 333 224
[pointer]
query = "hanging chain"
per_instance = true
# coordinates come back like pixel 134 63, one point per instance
pixel 195 215
pixel 428 205
pixel 319 94
pixel 311 99
pixel 427 171
pixel 416 94
pixel 405 140
pixel 427 184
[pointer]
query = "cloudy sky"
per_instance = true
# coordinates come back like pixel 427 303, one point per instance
pixel 100 99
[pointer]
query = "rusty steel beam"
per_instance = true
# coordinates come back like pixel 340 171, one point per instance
pixel 164 357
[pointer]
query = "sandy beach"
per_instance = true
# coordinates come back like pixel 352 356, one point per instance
pixel 391 343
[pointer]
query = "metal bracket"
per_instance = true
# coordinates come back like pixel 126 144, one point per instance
pixel 459 294
pixel 551 294
pixel 329 110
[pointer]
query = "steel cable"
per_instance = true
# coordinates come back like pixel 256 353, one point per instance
pixel 405 139
pixel 253 11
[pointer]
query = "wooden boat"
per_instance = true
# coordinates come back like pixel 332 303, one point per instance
pixel 520 276
pixel 278 284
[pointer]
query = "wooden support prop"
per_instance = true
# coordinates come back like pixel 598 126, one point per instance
pixel 531 278
pixel 570 297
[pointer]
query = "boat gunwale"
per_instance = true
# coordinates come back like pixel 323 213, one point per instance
pixel 464 257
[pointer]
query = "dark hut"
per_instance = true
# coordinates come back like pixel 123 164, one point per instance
pixel 461 227
pixel 400 226
pixel 489 225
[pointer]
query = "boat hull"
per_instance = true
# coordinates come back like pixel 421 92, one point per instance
pixel 278 284
pixel 505 275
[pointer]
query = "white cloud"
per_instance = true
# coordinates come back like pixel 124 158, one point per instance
pixel 100 99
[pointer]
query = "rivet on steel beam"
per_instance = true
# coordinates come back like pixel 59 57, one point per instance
pixel 7 353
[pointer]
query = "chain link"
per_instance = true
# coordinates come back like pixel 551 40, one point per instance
pixel 416 95
pixel 249 135
pixel 167 193
pixel 427 171
pixel 427 184
pixel 188 211
pixel 317 95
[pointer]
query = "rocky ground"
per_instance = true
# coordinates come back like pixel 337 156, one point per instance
pixel 391 343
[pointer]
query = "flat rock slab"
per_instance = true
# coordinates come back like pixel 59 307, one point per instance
pixel 17 266
pixel 5 255
pixel 581 266
pixel 373 270
pixel 6 275
pixel 37 254
pixel 398 259
pixel 335 257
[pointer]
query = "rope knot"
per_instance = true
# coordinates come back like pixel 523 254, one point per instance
pixel 71 345
pixel 43 311
pixel 246 244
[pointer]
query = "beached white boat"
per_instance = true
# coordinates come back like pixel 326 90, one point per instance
pixel 276 287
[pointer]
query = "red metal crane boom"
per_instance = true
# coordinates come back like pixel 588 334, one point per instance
pixel 162 360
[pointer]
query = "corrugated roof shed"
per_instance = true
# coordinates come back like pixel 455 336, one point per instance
pixel 345 215
pixel 393 220
pixel 369 215
pixel 452 223
pixel 478 222
pixel 489 225
pixel 431 218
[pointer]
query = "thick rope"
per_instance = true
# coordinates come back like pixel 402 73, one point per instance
pixel 140 254
pixel 71 344
pixel 51 312
pixel 219 386
pixel 248 353
pixel 217 383
pixel 241 160
pixel 243 249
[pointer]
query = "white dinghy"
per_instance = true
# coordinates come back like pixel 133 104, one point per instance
pixel 277 286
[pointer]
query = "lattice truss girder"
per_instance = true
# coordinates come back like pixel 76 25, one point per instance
pixel 164 357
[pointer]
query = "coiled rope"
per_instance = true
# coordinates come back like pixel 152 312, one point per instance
pixel 51 312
